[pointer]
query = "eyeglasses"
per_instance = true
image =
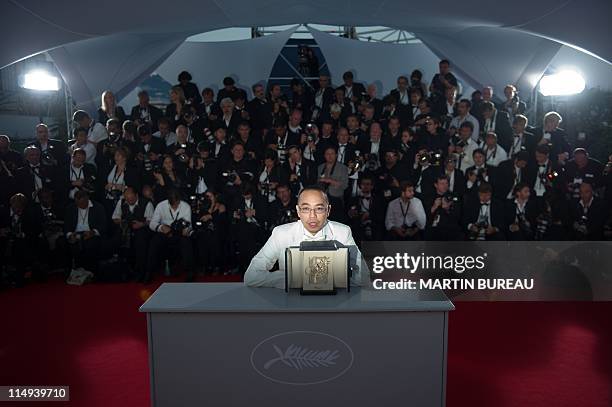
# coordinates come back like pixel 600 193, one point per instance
pixel 319 210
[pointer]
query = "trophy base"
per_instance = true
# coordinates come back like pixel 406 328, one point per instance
pixel 318 292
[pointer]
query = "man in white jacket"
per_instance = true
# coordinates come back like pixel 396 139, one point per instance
pixel 313 209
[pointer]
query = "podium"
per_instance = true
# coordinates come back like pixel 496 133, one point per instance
pixel 225 344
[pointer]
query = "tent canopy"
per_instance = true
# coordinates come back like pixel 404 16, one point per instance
pixel 115 44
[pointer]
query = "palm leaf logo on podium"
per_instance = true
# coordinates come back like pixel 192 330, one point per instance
pixel 299 358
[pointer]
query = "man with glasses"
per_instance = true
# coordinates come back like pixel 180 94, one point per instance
pixel 313 209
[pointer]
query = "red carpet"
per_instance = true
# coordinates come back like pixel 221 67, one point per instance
pixel 93 339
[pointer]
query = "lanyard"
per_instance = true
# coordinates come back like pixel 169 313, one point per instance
pixel 117 175
pixel 77 176
pixel 83 218
pixel 178 212
pixel 404 211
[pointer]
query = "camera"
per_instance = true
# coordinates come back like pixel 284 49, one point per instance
pixel 178 226
pixel 480 234
pixel 183 157
pixel 450 198
pixel 47 159
pixel 372 163
pixel 230 175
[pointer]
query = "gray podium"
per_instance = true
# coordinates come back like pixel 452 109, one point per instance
pixel 230 345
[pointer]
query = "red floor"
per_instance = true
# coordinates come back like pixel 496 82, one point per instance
pixel 93 339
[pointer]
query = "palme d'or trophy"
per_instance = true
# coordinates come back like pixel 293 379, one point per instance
pixel 319 267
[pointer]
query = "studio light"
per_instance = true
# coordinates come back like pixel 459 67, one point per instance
pixel 562 83
pixel 40 80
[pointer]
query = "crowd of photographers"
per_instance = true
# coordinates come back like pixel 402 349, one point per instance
pixel 203 182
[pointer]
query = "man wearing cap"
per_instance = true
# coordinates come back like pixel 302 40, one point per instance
pixel 313 209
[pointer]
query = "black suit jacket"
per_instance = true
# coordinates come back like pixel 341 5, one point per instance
pixel 230 129
pixel 358 90
pixel 24 179
pixel 308 175
pixel 260 113
pixel 558 141
pixel 472 210
pixel 503 179
pixel 96 218
pixel 57 149
pixel 154 115
pixel 532 210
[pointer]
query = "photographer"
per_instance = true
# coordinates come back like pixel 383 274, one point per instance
pixel 132 216
pixel 96 132
pixel 182 150
pixel 49 214
pixel 252 142
pixel 105 149
pixel 280 104
pixel 463 115
pixel 282 210
pixel 405 215
pixel 229 118
pixel 353 91
pixel 144 112
pixel 190 89
pixel 279 139
pixel 33 176
pixel 479 172
pixel 85 226
pixel 203 171
pixel 249 225
pixel 494 153
pixel 366 212
pixel 149 150
pixel 426 168
pixel 456 179
pixel 197 127
pixel 210 229
pixel 588 215
pixel 164 133
pixel 118 178
pixel 346 150
pixel 80 135
pixel 229 90
pixel 521 214
pixel 498 122
pixel 298 172
pixel 582 168
pixel 168 178
pixel 53 153
pixel 209 109
pixel 269 176
pixel 19 240
pixel 509 174
pixel 461 147
pixel 483 218
pixel 260 111
pixel 220 149
pixel 309 140
pixel 333 178
pixel 171 224
pixel 81 175
pixel 323 98
pixel 235 172
pixel 443 211
pixel 388 177
pixel 513 105
pixel 406 146
pixel 434 137
pixel 544 175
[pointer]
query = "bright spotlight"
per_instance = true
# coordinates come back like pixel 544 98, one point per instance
pixel 40 80
pixel 562 83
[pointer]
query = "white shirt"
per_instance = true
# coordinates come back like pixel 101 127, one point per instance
pixel 165 215
pixel 83 221
pixel 495 155
pixel 291 234
pixel 90 152
pixel 118 212
pixel 468 160
pixel 97 133
pixel 398 215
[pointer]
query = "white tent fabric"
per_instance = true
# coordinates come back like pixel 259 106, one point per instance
pixel 247 61
pixel 374 62
pixel 116 62
pixel 494 56
pixel 31 26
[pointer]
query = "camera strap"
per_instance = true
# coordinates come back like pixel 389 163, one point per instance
pixel 76 176
pixel 404 211
pixel 178 213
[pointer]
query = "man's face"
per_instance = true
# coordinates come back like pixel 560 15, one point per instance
pixel 518 126
pixel 243 132
pixel 586 192
pixel 339 95
pixel 296 118
pixel 394 125
pixel 462 108
pixel 508 92
pixel 313 210
pixel 330 155
pixel 323 82
pixel 276 91
pixel 181 134
pixel 479 159
pixel 450 94
pixel 541 157
pixel 487 93
pixel 113 127
pixel 581 160
pixel 366 186
pixel 402 84
pixel 414 98
pixel 343 136
pixel 550 123
pixel 146 138
pixel 408 193
pixel 450 165
pixel 143 99
pixel 326 130
pixel 82 203
pixel 390 158
pixel 227 109
pixel 42 134
pixel 259 92
pixel 78 160
pixel 441 186
pixel 423 107
pixel 220 135
pixel 490 141
pixel 375 132
pixel 521 164
pixel 348 81
pixel 130 197
pixel 352 122
pixel 238 152
pixel 283 194
pixel 465 133
pixel 280 131
pixel 295 155
pixel 431 126
pixel 444 68
pixel 523 194
pixel 368 113
pixel 33 156
pixel 208 97
pixel 484 196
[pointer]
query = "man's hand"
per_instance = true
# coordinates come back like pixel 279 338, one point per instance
pixel 514 227
pixel 186 232
pixel 412 231
pixel 237 181
pixel 78 183
pixel 88 235
pixel 249 213
pixel 490 230
pixel 165 229
pixel 72 239
pixel 137 225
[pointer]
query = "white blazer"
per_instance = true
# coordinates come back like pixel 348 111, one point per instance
pixel 291 234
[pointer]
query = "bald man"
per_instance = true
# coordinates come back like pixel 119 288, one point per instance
pixel 313 209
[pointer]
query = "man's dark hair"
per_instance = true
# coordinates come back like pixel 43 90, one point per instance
pixel 174 196
pixel 81 194
pixel 467 124
pixel 184 76
pixel 519 186
pixel 478 151
pixel 80 115
pixel 228 81
pixel 468 102
pixel 78 130
pixel 347 75
pixel 543 149
pixel 488 106
pixel 485 188
pixel 144 129
pixel 406 184
pixel 442 177
pixel 444 61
